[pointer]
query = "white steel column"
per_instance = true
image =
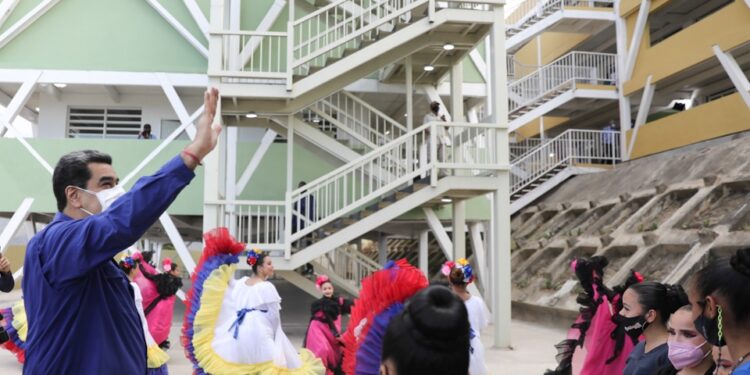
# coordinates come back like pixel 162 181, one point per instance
pixel 457 96
pixel 735 73
pixel 424 252
pixel 289 153
pixel 459 229
pixel 500 267
pixel 211 174
pixel 621 33
pixel 640 119
pixel 408 66
pixel 231 177
pixel 382 250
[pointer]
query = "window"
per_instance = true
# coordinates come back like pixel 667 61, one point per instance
pixel 122 123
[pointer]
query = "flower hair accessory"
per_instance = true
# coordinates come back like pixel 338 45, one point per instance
pixel 128 262
pixel 461 264
pixel 638 276
pixel 322 279
pixel 137 256
pixel 253 256
pixel 166 265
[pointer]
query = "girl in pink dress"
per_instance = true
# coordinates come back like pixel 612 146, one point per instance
pixel 323 333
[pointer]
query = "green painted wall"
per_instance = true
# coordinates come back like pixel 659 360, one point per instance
pixel 118 35
pixel 24 177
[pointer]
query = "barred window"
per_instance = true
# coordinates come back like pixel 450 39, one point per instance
pixel 123 123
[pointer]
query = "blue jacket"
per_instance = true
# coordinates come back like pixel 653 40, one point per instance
pixel 79 305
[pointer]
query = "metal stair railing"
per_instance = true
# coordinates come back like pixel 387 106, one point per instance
pixel 562 74
pixel 257 223
pixel 348 264
pixel 569 148
pixel 531 11
pixel 358 118
pixel 389 168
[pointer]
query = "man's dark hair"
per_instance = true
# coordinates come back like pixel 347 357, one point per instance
pixel 430 336
pixel 73 170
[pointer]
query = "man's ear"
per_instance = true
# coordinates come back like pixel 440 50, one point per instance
pixel 73 197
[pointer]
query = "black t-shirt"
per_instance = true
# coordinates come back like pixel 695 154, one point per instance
pixel 640 363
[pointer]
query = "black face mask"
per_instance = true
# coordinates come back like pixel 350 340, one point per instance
pixel 633 326
pixel 709 328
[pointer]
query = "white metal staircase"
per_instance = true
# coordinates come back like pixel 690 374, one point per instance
pixel 325 50
pixel 533 17
pixel 558 82
pixel 352 121
pixel 572 152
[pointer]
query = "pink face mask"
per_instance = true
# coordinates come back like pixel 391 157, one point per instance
pixel 685 355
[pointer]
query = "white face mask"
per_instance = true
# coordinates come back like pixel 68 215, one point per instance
pixel 105 197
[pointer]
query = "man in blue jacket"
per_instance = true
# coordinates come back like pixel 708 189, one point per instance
pixel 79 305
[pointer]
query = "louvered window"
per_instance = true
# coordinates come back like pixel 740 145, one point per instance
pixel 124 123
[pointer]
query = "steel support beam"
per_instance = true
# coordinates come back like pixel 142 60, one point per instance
pixel 198 16
pixel 179 27
pixel 635 43
pixel 15 223
pixel 18 103
pixel 640 119
pixel 177 242
pixel 26 21
pixel 459 229
pixel 6 9
pixel 735 73
pixel 439 232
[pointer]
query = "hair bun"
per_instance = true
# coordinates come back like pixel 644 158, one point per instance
pixel 740 261
pixel 676 297
pixel 437 314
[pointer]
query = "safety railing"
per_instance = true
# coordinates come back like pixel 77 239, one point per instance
pixel 253 54
pixel 520 149
pixel 563 73
pixel 532 10
pixel 429 149
pixel 349 264
pixel 358 118
pixel 573 147
pixel 257 223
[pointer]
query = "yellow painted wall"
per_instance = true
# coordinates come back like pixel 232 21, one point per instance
pixel 15 254
pixel 532 128
pixel 718 118
pixel 729 28
pixel 554 45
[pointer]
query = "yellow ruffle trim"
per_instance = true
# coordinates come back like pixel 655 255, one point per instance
pixel 19 320
pixel 156 357
pixel 203 328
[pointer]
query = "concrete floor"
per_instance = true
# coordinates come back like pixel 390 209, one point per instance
pixel 533 345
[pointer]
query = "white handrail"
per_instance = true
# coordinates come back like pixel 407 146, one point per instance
pixel 570 148
pixel 433 146
pixel 257 223
pixel 574 67
pixel 530 10
pixel 350 265
pixel 356 117
pixel 266 60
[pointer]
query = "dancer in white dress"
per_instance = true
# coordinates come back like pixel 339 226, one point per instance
pixel 250 323
pixel 234 326
pixel 460 275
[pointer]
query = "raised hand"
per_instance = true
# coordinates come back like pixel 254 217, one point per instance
pixel 207 133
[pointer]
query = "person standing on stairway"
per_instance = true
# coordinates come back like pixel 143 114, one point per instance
pixel 432 116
